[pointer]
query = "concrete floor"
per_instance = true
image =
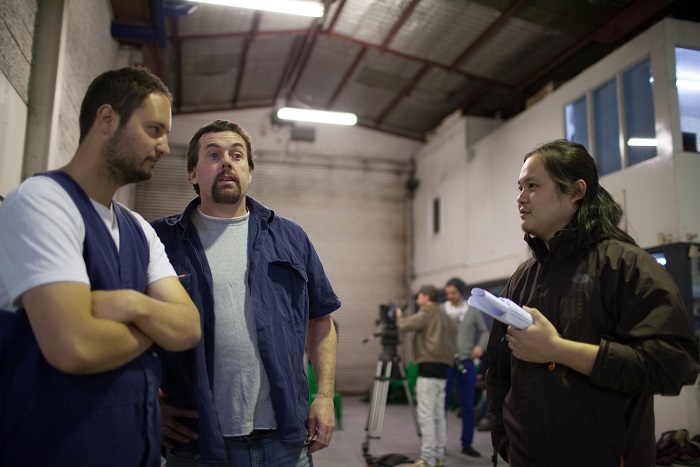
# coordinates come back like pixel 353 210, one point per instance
pixel 398 435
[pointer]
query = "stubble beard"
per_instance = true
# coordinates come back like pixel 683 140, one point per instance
pixel 122 166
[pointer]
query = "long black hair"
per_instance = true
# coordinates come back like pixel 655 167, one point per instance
pixel 598 214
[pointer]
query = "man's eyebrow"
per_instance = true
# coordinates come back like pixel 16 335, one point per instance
pixel 216 145
pixel 527 179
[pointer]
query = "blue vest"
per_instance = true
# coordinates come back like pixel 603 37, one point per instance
pixel 50 418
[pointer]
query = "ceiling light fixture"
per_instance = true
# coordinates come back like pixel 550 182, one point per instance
pixel 643 142
pixel 317 116
pixel 292 7
pixel 688 84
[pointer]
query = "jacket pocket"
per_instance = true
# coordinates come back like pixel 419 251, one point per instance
pixel 289 291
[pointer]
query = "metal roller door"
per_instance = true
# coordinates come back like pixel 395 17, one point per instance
pixel 355 213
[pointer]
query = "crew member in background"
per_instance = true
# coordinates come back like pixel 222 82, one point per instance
pixel 472 336
pixel 434 349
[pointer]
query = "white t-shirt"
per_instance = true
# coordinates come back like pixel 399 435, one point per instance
pixel 41 240
pixel 456 312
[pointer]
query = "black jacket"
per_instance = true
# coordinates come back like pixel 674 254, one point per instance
pixel 613 295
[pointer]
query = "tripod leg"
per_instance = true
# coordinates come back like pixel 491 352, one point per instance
pixel 375 417
pixel 407 390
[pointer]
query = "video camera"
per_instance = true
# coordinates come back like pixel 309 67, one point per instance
pixel 387 319
pixel 387 313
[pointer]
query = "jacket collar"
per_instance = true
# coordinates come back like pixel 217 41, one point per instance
pixel 255 208
pixel 562 246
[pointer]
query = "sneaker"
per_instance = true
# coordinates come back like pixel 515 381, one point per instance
pixel 440 462
pixel 470 451
pixel 421 463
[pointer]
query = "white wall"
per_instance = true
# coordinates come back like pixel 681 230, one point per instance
pixel 331 140
pixel 661 194
pixel 13 122
pixel 16 36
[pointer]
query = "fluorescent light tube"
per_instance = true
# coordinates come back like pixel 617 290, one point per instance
pixel 642 142
pixel 688 84
pixel 292 7
pixel 318 116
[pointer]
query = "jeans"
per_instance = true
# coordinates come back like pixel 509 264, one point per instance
pixel 430 395
pixel 466 392
pixel 248 451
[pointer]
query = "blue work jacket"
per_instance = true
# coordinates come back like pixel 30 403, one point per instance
pixel 288 286
pixel 48 417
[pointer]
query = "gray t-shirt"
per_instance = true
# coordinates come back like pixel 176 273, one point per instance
pixel 241 387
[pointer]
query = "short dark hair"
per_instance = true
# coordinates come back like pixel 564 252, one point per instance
pixel 124 89
pixel 431 291
pixel 217 126
pixel 458 284
pixel 598 214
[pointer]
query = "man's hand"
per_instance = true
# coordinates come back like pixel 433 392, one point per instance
pixel 172 429
pixel 320 424
pixel 536 342
pixel 540 343
pixel 477 352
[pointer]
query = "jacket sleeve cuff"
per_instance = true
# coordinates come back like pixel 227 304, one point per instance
pixel 609 363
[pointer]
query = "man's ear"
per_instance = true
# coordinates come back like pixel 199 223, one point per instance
pixel 107 120
pixel 193 176
pixel 579 190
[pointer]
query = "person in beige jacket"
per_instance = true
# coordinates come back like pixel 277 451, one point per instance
pixel 434 344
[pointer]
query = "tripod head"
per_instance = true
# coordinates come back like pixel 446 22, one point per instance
pixel 389 333
pixel 390 340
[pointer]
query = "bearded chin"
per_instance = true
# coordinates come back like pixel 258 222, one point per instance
pixel 228 196
pixel 120 165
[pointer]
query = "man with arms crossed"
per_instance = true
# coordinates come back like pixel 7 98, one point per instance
pixel 86 290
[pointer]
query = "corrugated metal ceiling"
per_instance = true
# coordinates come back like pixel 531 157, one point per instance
pixel 401 65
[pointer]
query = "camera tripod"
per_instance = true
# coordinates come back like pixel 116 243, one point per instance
pixel 377 404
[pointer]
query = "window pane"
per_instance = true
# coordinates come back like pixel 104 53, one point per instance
pixel 639 110
pixel 436 215
pixel 577 122
pixel 606 128
pixel 688 85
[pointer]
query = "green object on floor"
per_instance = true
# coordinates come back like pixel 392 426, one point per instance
pixel 337 398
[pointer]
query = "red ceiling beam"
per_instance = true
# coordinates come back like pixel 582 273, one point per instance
pixel 404 92
pixel 244 57
pixel 308 47
pixel 469 51
pixel 487 34
pixel 353 66
pixel 398 24
pixel 413 58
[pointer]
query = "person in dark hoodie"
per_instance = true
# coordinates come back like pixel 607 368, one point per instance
pixel 609 328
